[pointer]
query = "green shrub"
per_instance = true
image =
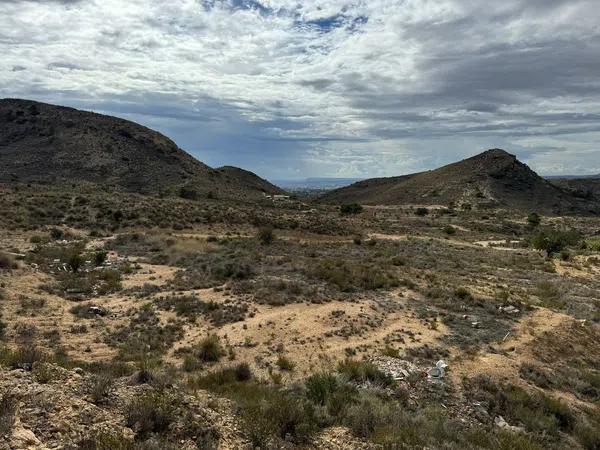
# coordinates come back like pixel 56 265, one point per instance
pixel 75 261
pixel 553 241
pixel 421 211
pixel 320 387
pixel 588 435
pixel 462 293
pixel 285 364
pixel 210 349
pixel 100 258
pixel 361 371
pixel 449 230
pixel 239 373
pixel 537 412
pixel 151 412
pixel 349 209
pixel 269 414
pixel 100 386
pixel 368 414
pixel 534 219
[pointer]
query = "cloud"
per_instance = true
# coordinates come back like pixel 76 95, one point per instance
pixel 331 87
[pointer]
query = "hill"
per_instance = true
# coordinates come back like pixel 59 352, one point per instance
pixel 42 143
pixel 493 178
pixel 584 187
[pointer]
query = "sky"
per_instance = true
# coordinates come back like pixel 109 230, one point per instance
pixel 338 88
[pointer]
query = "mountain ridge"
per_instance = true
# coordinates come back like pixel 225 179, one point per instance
pixel 494 178
pixel 44 143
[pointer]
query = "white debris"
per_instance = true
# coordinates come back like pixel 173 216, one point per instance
pixel 510 309
pixel 439 371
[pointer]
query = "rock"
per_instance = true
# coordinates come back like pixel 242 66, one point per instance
pixel 22 438
pixel 78 371
pixel 501 423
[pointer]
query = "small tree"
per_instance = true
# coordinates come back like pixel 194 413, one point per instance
pixel 554 241
pixel 349 209
pixel 100 258
pixel 74 262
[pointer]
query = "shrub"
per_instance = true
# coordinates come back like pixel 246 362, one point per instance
pixel 100 258
pixel 265 235
pixel 44 372
pixel 210 349
pixel 537 412
pixel 75 261
pixel 349 209
pixel 100 386
pixel 348 275
pixel 7 262
pixel 269 414
pixel 462 293
pixel 369 413
pixel 421 211
pixel 361 371
pixel 8 410
pixel 449 230
pixel 553 241
pixel 239 373
pixel 151 412
pixel 320 387
pixel 285 364
pixel 534 219
pixel 550 295
pixel 25 357
pixel 103 440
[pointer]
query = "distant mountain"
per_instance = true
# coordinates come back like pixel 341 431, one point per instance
pixel 493 178
pixel 317 183
pixel 43 143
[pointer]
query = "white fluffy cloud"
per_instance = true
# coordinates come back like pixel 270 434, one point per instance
pixel 336 87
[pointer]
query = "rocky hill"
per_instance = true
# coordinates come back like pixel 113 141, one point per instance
pixel 43 143
pixel 586 188
pixel 493 178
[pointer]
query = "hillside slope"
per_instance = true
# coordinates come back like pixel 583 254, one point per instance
pixel 587 188
pixel 52 144
pixel 493 178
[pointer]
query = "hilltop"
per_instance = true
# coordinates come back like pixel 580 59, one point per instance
pixel 493 178
pixel 42 143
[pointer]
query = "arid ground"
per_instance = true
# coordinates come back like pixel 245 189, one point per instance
pixel 144 322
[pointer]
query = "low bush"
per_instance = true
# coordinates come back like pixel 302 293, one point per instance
pixel 537 412
pixel 350 276
pixel 364 371
pixel 210 349
pixel 265 235
pixel 285 364
pixel 151 412
pixel 349 209
pixel 7 262
pixel 100 386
